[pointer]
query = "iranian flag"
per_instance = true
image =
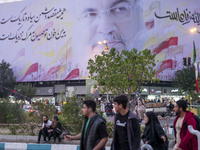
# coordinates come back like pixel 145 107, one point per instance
pixel 196 69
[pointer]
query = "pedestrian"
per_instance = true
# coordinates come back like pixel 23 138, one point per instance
pixel 55 130
pixel 140 110
pixel 131 105
pixel 102 107
pixel 94 134
pixel 44 129
pixel 170 107
pixel 153 132
pixel 126 126
pixel 183 138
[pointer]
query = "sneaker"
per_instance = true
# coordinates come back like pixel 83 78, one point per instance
pixel 59 139
pixel 38 142
pixel 46 142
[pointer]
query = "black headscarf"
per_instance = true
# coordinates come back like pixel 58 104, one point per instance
pixel 152 118
pixel 151 124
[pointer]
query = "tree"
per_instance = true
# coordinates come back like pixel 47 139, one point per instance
pixel 27 90
pixel 7 79
pixel 123 71
pixel 71 114
pixel 41 109
pixel 11 113
pixel 185 81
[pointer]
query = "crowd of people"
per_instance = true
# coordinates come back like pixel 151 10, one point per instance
pixel 127 132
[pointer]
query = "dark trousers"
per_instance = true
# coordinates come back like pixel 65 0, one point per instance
pixel 44 133
pixel 54 134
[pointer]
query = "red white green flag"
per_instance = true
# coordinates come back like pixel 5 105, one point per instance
pixel 196 69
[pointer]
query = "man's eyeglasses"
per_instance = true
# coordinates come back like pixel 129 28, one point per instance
pixel 116 14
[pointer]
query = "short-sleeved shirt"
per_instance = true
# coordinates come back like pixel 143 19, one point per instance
pixel 101 131
pixel 121 129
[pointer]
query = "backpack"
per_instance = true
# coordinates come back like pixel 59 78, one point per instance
pixel 197 119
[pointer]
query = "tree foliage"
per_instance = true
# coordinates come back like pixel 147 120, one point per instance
pixel 41 109
pixel 71 114
pixel 27 89
pixel 122 71
pixel 7 78
pixel 11 113
pixel 185 80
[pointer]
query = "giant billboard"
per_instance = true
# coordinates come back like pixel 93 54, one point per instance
pixel 52 40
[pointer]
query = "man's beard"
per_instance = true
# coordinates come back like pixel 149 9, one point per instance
pixel 177 113
pixel 45 121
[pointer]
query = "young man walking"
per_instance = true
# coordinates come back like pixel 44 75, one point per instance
pixel 126 126
pixel 94 134
pixel 184 139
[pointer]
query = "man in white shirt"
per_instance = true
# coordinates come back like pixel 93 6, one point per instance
pixel 44 129
pixel 183 138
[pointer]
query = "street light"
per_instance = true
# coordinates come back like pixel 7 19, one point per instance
pixel 194 30
pixel 106 45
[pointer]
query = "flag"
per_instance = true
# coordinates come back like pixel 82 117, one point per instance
pixel 31 69
pixel 196 69
pixel 165 64
pixel 73 74
pixel 166 44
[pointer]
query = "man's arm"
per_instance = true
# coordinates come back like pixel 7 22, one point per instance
pixel 76 137
pixel 101 143
pixel 103 135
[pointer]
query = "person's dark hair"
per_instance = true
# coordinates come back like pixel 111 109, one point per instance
pixel 55 118
pixel 45 116
pixel 182 103
pixel 121 99
pixel 90 104
pixel 141 101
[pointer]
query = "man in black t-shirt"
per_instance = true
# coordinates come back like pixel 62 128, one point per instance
pixel 94 133
pixel 126 127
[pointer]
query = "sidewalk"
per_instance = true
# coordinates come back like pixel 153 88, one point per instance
pixel 31 146
pixel 10 142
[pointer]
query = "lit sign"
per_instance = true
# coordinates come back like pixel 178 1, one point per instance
pixel 174 90
pixel 158 92
pixel 144 90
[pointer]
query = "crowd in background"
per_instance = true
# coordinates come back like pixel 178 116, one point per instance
pixel 127 133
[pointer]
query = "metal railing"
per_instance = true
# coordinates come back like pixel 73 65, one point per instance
pixel 164 122
pixel 28 129
pixel 195 109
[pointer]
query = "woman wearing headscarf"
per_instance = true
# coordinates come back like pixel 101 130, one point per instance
pixel 56 129
pixel 153 133
pixel 140 110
